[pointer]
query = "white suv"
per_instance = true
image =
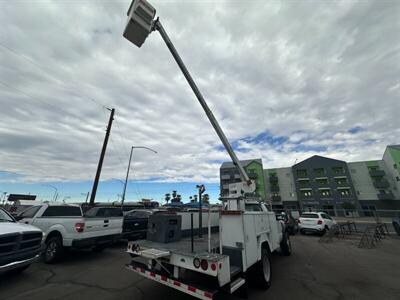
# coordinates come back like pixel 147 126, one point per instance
pixel 318 222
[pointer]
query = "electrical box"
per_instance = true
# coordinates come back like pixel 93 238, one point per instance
pixel 164 228
pixel 140 22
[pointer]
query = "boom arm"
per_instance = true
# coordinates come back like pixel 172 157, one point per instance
pixel 157 26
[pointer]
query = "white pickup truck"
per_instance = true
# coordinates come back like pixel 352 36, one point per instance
pixel 20 244
pixel 65 226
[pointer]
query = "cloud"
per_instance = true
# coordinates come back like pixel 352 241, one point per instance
pixel 285 80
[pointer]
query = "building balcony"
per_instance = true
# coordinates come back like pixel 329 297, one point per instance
pixel 376 173
pixel 274 188
pixel 225 177
pixel 386 196
pixel 383 184
pixel 273 179
pixel 276 199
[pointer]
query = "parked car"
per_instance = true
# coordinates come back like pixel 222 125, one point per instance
pixel 317 222
pixel 291 224
pixel 66 227
pixel 135 224
pixel 20 244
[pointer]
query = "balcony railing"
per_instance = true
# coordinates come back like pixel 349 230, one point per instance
pixel 386 196
pixel 226 177
pixel 376 173
pixel 382 184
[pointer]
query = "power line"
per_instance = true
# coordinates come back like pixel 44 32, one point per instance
pixel 62 82
pixel 43 102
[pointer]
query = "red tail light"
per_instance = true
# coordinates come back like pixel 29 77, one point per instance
pixel 79 227
pixel 204 264
pixel 319 222
pixel 213 266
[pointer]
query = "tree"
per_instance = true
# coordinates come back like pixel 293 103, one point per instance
pixel 206 199
pixel 167 197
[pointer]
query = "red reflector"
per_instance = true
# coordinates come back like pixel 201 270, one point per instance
pixel 177 283
pixel 163 278
pixel 208 295
pixel 142 270
pixel 213 267
pixel 319 222
pixel 153 274
pixel 79 227
pixel 204 264
pixel 192 289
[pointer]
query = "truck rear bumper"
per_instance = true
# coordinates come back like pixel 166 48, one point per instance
pixel 18 264
pixel 96 241
pixel 170 282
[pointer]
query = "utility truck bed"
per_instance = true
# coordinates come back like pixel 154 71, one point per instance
pixel 184 245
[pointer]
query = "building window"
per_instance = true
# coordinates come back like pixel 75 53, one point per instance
pixel 319 172
pixel 325 193
pixel 301 173
pixel 341 180
pixel 338 170
pixel 306 193
pixel 344 192
pixel 322 181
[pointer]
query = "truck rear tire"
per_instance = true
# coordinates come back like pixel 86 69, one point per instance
pixel 54 250
pixel 286 246
pixel 263 270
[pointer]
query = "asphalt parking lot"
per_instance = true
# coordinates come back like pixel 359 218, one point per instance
pixel 338 270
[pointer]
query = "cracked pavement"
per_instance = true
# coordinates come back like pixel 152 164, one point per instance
pixel 338 270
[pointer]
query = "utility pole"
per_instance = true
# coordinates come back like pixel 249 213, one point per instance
pixel 100 165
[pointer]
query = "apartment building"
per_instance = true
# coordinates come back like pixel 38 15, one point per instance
pixel 322 183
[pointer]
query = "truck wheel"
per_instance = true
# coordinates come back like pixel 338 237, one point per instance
pixel 286 246
pixel 263 269
pixel 53 250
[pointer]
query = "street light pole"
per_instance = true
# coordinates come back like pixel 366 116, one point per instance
pixel 129 166
pixel 55 191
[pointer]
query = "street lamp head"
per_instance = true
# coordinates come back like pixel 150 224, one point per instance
pixel 140 22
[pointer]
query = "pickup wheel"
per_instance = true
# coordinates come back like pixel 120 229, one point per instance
pixel 54 250
pixel 262 270
pixel 286 246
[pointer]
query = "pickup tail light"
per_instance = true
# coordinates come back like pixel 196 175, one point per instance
pixel 79 227
pixel 319 222
pixel 204 264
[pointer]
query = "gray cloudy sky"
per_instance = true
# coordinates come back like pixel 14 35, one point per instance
pixel 286 80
